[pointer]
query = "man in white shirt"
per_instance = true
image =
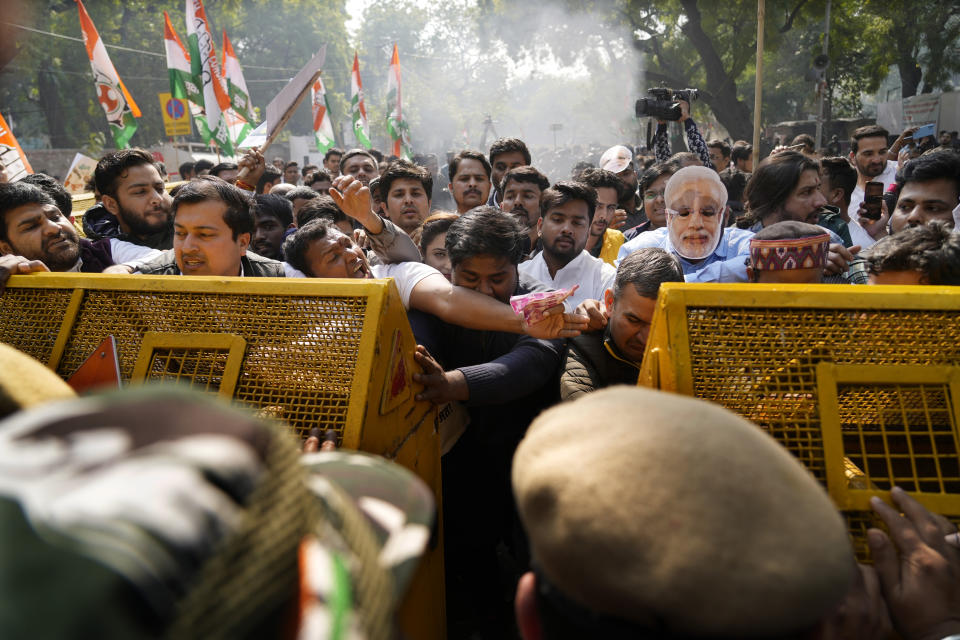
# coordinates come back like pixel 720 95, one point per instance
pixel 320 250
pixel 566 213
pixel 870 154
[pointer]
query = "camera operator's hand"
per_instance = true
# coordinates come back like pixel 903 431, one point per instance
pixel 684 110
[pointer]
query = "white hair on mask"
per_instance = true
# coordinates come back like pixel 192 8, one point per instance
pixel 677 182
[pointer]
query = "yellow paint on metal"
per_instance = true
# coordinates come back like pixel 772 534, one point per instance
pixel 315 353
pixel 840 375
pixel 898 425
pixel 208 361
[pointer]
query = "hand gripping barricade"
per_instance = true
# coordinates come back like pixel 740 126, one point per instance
pixel 862 384
pixel 312 353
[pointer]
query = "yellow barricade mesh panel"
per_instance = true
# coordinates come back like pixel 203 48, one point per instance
pixel 901 435
pixel 761 363
pixel 301 352
pixel 330 354
pixel 203 368
pixel 31 319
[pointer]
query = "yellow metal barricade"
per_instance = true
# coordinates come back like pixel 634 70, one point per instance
pixel 313 353
pixel 861 383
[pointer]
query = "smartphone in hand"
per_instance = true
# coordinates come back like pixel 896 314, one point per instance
pixel 873 200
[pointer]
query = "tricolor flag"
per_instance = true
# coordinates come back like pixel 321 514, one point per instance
pixel 322 127
pixel 396 126
pixel 12 158
pixel 111 92
pixel 236 85
pixel 182 83
pixel 357 108
pixel 237 125
pixel 203 65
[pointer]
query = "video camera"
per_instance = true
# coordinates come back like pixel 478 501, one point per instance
pixel 663 105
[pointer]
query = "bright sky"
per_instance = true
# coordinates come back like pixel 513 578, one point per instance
pixel 544 66
pixel 355 11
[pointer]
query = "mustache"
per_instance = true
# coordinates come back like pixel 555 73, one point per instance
pixel 57 239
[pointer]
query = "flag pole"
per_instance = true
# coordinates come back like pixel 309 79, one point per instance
pixel 758 85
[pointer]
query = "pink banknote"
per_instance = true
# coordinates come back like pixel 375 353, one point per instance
pixel 533 305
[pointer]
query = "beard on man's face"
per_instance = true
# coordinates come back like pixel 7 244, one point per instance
pixel 154 221
pixel 61 252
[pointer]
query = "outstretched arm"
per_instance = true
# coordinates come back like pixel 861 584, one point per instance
pixel 389 242
pixel 919 572
pixel 528 366
pixel 467 308
pixel 694 139
pixel 353 198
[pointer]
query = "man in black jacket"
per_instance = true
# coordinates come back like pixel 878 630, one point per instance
pixel 613 356
pixel 212 228
pixel 504 380
pixel 134 204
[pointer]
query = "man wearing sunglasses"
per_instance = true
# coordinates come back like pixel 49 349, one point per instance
pixel 695 201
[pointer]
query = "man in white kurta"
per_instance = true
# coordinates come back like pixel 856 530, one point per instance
pixel 566 212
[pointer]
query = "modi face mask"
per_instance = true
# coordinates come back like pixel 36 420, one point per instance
pixel 695 200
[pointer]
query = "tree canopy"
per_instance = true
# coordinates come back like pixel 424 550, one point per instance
pixel 528 68
pixel 47 89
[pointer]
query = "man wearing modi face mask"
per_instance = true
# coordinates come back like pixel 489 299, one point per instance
pixel 695 232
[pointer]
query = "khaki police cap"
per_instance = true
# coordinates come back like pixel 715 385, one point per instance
pixel 26 383
pixel 671 512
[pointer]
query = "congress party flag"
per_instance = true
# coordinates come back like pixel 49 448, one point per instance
pixel 322 127
pixel 236 85
pixel 13 160
pixel 182 83
pixel 204 68
pixel 396 126
pixel 116 101
pixel 238 126
pixel 357 108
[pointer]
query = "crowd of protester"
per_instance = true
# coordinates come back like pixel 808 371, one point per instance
pixel 601 528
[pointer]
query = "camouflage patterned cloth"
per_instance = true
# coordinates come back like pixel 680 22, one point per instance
pixel 158 513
